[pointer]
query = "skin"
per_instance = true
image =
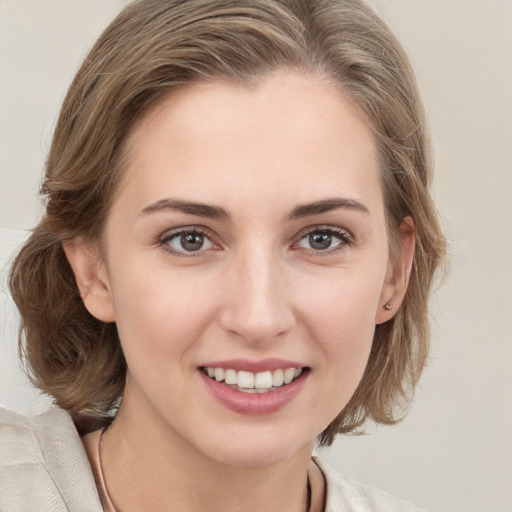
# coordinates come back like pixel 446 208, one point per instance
pixel 256 289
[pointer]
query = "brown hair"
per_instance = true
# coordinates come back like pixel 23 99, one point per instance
pixel 155 46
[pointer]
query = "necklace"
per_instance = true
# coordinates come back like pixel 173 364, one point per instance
pixel 110 503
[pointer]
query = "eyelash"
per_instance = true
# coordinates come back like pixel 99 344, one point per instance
pixel 196 230
pixel 346 239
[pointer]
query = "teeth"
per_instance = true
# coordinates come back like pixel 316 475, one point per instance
pixel 288 375
pixel 249 382
pixel 230 377
pixel 263 380
pixel 245 379
pixel 278 378
pixel 252 390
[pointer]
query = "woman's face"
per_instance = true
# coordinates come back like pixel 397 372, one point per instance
pixel 247 238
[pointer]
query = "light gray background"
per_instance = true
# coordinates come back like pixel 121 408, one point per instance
pixel 453 453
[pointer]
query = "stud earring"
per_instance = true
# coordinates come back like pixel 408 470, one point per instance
pixel 388 306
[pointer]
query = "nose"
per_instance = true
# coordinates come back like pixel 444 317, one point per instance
pixel 256 303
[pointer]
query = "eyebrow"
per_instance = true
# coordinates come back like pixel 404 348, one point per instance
pixel 326 205
pixel 218 213
pixel 190 207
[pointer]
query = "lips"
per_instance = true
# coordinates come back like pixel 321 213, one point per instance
pixel 248 387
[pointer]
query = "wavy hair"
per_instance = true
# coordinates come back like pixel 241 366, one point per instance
pixel 155 46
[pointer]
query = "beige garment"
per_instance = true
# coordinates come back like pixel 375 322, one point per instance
pixel 43 465
pixel 44 468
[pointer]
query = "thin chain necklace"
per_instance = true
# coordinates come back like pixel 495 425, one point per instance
pixel 102 476
pixel 111 503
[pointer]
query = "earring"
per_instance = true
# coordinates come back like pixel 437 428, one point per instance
pixel 388 306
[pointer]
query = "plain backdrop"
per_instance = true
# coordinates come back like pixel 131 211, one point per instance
pixel 453 453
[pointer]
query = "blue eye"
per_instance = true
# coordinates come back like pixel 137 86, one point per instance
pixel 324 239
pixel 187 241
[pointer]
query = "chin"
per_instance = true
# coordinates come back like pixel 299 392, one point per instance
pixel 259 449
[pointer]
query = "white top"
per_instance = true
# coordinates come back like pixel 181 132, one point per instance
pixel 44 467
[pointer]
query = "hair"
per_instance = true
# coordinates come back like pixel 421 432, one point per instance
pixel 155 46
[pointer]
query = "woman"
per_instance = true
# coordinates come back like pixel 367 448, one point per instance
pixel 235 261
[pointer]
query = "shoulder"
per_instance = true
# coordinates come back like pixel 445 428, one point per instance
pixel 43 465
pixel 345 493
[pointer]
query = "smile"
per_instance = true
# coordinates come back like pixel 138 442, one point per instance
pixel 249 382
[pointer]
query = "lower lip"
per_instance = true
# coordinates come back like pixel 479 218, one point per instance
pixel 254 403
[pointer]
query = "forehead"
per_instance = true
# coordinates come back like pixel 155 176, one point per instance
pixel 217 139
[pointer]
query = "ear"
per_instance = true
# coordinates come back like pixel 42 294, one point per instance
pixel 397 277
pixel 91 277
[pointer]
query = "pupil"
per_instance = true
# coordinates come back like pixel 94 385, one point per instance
pixel 320 241
pixel 192 241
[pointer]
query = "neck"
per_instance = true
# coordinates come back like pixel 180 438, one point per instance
pixel 147 466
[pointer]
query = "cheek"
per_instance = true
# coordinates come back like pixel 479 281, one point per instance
pixel 340 317
pixel 159 315
pixel 342 302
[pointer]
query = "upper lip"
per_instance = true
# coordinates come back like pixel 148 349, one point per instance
pixel 247 365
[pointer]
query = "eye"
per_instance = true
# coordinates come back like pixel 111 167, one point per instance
pixel 325 239
pixel 186 241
